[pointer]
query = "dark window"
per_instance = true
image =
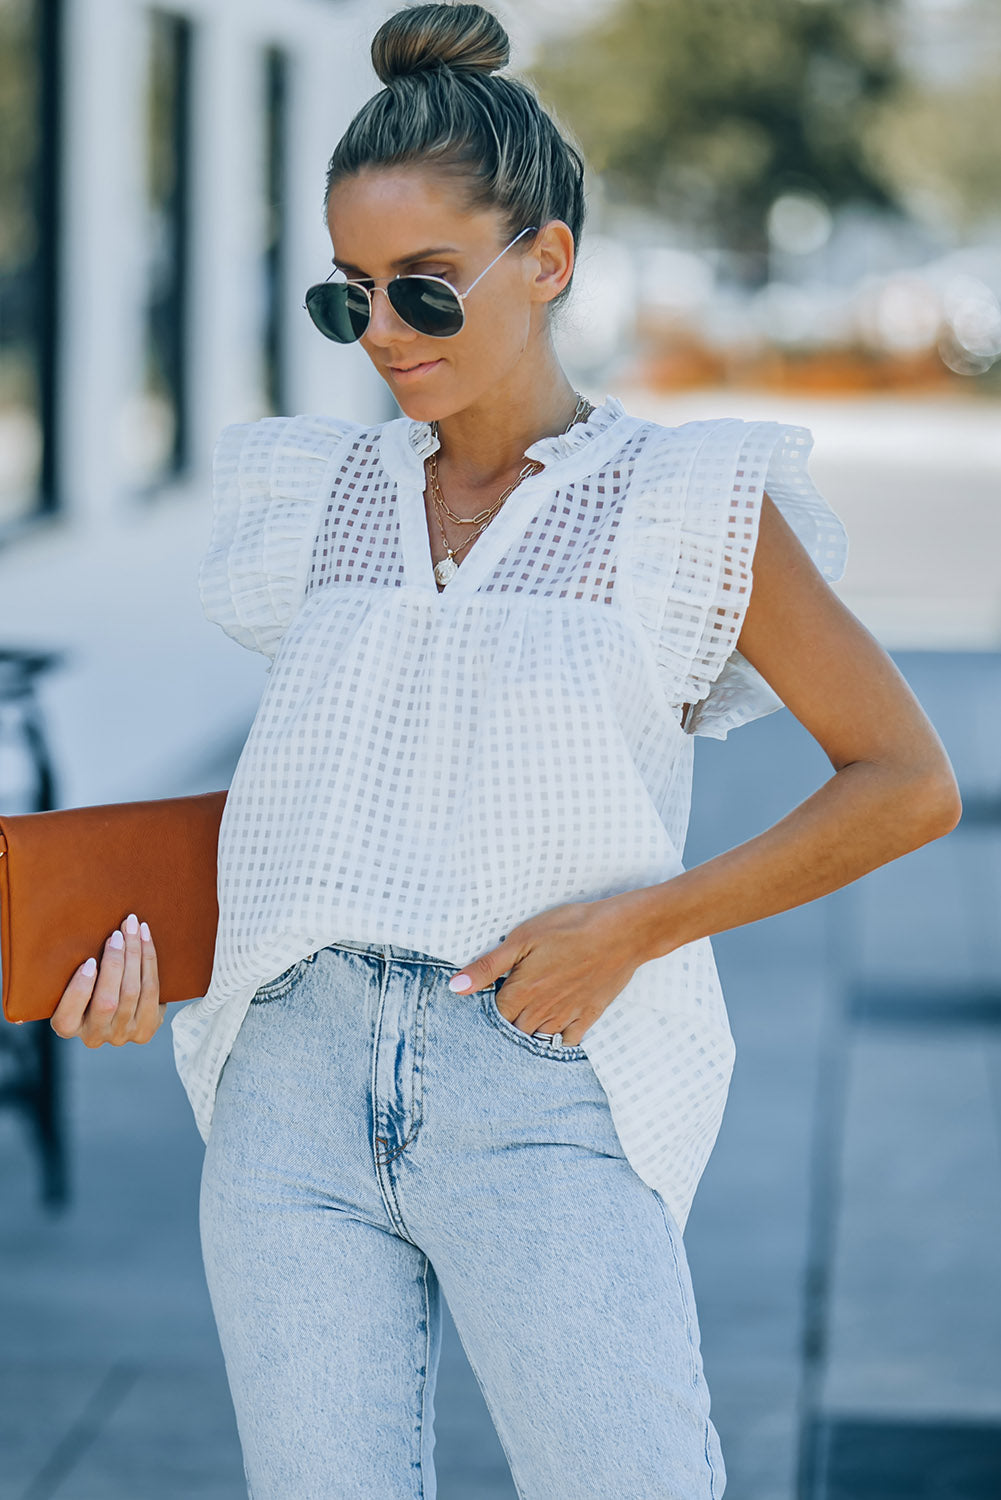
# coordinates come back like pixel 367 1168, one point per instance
pixel 29 239
pixel 276 71
pixel 160 446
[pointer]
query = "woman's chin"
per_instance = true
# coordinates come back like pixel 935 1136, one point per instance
pixel 422 408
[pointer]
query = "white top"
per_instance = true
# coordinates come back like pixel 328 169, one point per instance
pixel 430 768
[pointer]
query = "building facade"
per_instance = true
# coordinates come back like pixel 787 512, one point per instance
pixel 164 215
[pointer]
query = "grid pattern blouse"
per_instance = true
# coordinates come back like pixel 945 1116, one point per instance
pixel 430 768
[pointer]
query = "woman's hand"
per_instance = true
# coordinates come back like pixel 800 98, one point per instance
pixel 566 966
pixel 120 1000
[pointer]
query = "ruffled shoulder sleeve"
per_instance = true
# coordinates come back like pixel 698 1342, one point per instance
pixel 270 480
pixel 691 529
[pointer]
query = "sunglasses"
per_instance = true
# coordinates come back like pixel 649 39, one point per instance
pixel 430 305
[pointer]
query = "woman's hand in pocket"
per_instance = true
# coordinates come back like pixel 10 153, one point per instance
pixel 120 1001
pixel 565 966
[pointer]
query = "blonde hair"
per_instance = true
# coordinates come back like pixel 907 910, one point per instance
pixel 445 106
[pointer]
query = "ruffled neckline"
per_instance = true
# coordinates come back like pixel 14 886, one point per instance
pixel 545 450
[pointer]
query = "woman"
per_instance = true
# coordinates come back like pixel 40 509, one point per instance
pixel 464 1030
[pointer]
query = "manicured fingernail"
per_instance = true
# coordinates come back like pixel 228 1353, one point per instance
pixel 89 968
pixel 117 939
pixel 131 923
pixel 144 929
pixel 460 982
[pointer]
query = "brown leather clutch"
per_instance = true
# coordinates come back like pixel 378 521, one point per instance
pixel 70 876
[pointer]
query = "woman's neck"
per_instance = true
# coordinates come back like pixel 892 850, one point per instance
pixel 485 443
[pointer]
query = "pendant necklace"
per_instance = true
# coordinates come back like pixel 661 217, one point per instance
pixel 448 567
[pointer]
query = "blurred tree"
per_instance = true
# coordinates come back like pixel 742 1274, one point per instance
pixel 709 110
pixel 942 145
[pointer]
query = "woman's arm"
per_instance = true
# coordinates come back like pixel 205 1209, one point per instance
pixel 893 789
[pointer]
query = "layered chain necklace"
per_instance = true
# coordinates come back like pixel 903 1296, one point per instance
pixel 448 567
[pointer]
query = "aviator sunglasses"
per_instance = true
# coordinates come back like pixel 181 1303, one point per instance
pixel 341 310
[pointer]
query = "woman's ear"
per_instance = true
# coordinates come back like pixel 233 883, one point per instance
pixel 553 254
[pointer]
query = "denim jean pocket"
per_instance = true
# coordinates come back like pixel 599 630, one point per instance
pixel 282 983
pixel 540 1044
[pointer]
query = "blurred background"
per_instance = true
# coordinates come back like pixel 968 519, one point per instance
pixel 794 213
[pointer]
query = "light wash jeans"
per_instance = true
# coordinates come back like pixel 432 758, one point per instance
pixel 378 1141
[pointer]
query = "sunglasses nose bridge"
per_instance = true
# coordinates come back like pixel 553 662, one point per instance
pixel 395 321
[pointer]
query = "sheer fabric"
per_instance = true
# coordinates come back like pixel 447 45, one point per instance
pixel 430 768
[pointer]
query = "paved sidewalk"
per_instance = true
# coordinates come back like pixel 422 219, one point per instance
pixel 844 1238
pixel 842 1242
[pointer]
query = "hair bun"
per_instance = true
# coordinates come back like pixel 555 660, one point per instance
pixel 424 37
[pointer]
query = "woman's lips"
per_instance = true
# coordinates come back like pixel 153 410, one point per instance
pixel 415 372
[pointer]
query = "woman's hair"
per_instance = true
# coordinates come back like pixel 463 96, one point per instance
pixel 445 106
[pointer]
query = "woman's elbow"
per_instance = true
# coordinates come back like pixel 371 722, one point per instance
pixel 935 802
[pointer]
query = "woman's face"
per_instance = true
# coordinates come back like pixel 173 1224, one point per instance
pixel 384 221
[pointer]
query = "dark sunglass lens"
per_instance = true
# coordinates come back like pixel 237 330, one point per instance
pixel 428 306
pixel 339 311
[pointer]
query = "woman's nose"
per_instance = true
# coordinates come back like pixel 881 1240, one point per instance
pixel 385 325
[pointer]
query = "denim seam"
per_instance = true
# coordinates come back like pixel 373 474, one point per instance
pixel 282 982
pixel 427 961
pixel 691 1338
pixel 427 1365
pixel 386 1156
pixel 417 1079
pixel 388 1199
pixel 387 1188
pixel 574 1053
pixel 275 991
pixel 416 1095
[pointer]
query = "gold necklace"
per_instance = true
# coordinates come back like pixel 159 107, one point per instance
pixel 448 567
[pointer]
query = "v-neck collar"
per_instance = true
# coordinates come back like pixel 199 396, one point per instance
pixel 405 444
